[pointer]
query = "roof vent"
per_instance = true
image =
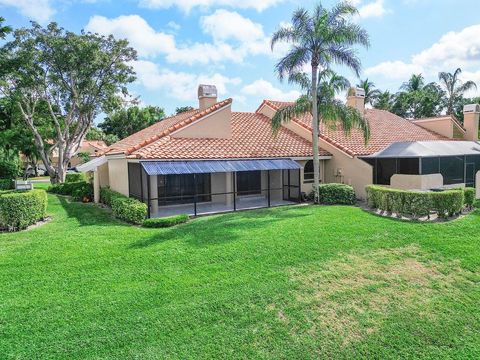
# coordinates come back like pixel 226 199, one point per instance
pixel 209 91
pixel 472 108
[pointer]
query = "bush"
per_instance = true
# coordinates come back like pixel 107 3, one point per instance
pixel 129 210
pixel 20 209
pixel 469 194
pixel 415 203
pixel 166 222
pixel 107 196
pixel 6 184
pixel 75 177
pixel 10 166
pixel 336 194
pixel 80 190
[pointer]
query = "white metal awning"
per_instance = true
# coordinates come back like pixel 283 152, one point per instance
pixel 92 164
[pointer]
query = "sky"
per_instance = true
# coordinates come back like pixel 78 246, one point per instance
pixel 182 43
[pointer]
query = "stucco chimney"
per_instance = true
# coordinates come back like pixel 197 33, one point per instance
pixel 471 115
pixel 207 96
pixel 356 99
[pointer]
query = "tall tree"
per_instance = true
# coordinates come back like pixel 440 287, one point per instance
pixel 371 94
pixel 455 88
pixel 384 101
pixel 4 30
pixel 182 109
pixel 127 121
pixel 76 75
pixel 318 39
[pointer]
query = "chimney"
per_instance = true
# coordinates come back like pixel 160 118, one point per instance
pixel 356 99
pixel 207 96
pixel 471 115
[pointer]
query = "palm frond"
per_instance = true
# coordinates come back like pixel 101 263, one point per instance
pixel 302 106
pixel 293 62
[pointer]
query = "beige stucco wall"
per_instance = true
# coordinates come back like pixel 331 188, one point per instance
pixel 478 184
pixel 219 185
pixel 118 175
pixel 217 125
pixel 103 175
pixel 416 182
pixel 442 127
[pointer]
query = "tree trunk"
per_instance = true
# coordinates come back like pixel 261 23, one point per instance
pixel 315 133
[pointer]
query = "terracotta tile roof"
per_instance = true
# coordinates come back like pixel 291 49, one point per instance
pixel 386 128
pixel 96 144
pixel 251 138
pixel 160 129
pixel 439 118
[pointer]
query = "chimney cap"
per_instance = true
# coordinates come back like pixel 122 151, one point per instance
pixel 209 91
pixel 356 92
pixel 471 108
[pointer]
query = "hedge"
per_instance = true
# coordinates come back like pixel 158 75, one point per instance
pixel 416 203
pixel 6 184
pixel 166 222
pixel 80 190
pixel 124 208
pixel 129 210
pixel 469 194
pixel 75 177
pixel 20 209
pixel 336 194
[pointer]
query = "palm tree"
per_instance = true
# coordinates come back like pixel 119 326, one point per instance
pixel 371 94
pixel 415 83
pixel 455 88
pixel 318 40
pixel 384 101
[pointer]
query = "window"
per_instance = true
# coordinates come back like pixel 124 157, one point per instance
pixel 134 181
pixel 308 172
pixel 249 182
pixel 180 189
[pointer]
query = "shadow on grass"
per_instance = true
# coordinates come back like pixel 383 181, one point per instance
pixel 87 214
pixel 220 229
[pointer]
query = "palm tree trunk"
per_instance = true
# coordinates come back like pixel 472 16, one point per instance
pixel 316 162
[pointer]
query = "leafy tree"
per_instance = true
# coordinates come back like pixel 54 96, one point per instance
pixel 419 100
pixel 84 156
pixel 384 101
pixel 183 109
pixel 97 134
pixel 455 88
pixel 371 94
pixel 76 75
pixel 127 121
pixel 4 30
pixel 318 40
pixel 461 103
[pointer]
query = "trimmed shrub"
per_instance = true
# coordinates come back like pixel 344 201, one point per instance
pixel 107 196
pixel 129 210
pixel 469 195
pixel 448 203
pixel 336 194
pixel 75 177
pixel 20 209
pixel 6 184
pixel 78 190
pixel 415 203
pixel 166 222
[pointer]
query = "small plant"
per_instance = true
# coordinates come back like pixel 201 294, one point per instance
pixel 80 190
pixel 75 177
pixel 469 194
pixel 6 184
pixel 336 194
pixel 129 210
pixel 166 222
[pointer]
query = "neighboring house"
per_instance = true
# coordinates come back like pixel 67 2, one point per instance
pixel 212 159
pixel 93 148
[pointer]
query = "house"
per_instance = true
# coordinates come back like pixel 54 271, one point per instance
pixel 92 148
pixel 211 159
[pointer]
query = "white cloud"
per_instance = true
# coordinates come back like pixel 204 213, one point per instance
pixel 141 36
pixel 265 90
pixel 179 85
pixel 234 38
pixel 187 5
pixel 38 10
pixel 454 49
pixel 374 9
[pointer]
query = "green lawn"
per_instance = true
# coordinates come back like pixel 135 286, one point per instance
pixel 298 282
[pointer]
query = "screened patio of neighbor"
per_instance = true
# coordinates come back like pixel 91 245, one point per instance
pixel 457 161
pixel 216 186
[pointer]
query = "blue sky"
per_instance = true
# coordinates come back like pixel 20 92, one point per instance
pixel 225 42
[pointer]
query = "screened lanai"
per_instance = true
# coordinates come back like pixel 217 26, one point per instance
pixel 457 161
pixel 206 187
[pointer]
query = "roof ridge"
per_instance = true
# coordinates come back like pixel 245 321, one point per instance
pixel 178 126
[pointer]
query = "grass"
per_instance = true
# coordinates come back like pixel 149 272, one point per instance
pixel 292 283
